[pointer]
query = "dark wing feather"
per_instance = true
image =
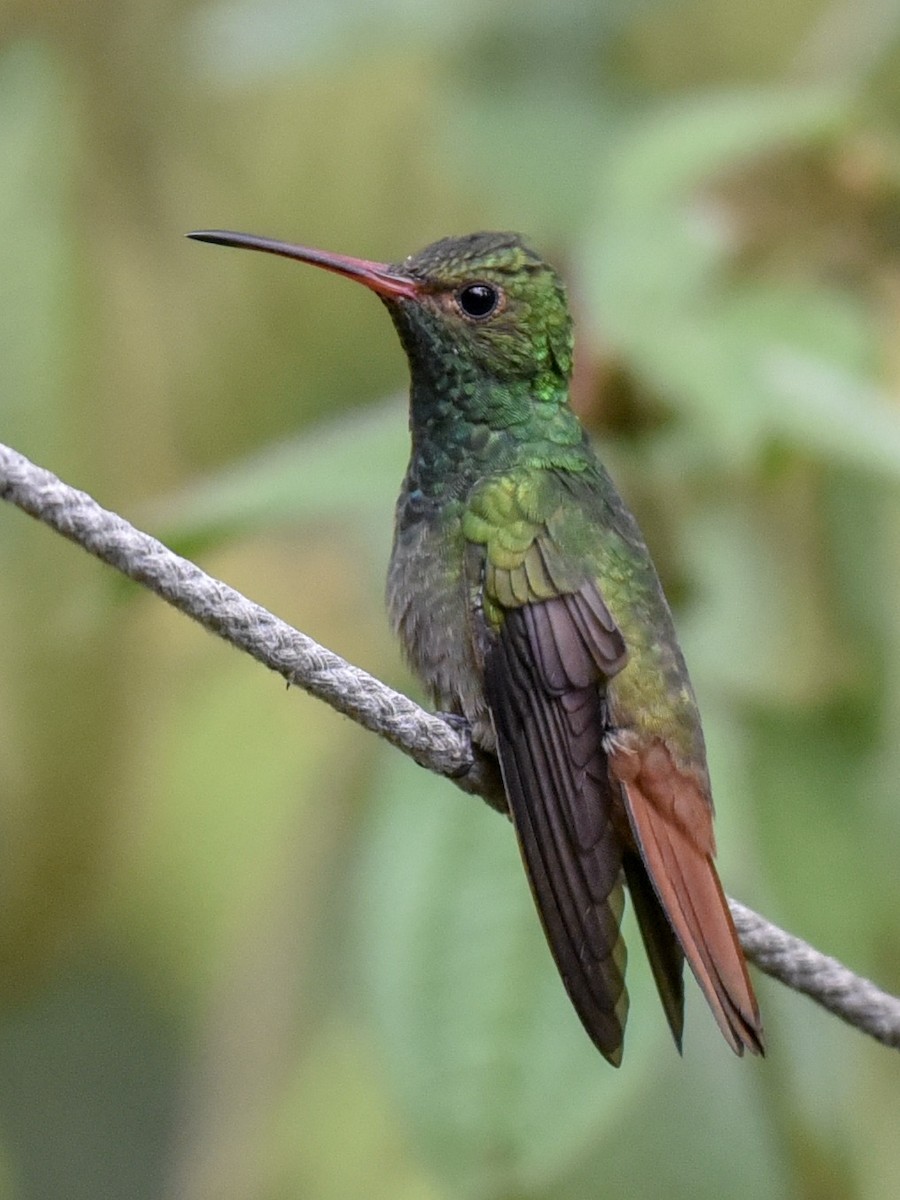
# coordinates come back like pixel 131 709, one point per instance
pixel 663 948
pixel 544 675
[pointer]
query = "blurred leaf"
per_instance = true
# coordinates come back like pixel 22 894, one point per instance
pixel 848 39
pixel 88 1077
pixel 760 621
pixel 337 1124
pixel 220 777
pixel 656 255
pixel 481 1042
pixel 349 467
pixel 834 413
pixel 37 141
pixel 810 771
pixel 235 40
pixel 667 153
pixel 702 1129
pixel 493 138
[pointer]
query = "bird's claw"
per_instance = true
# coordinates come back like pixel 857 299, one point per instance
pixel 461 726
pixel 481 776
pixel 457 723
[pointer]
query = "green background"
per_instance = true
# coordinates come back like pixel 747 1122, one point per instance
pixel 246 953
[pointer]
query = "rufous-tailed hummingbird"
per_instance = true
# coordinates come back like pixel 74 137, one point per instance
pixel 525 598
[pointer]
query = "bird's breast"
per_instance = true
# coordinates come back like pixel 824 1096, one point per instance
pixel 434 612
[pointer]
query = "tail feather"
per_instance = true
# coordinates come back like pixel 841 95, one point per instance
pixel 663 948
pixel 671 820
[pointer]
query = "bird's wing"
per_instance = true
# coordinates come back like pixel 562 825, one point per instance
pixel 584 811
pixel 549 645
pixel 541 682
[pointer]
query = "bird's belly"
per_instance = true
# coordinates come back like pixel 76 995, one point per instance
pixel 431 611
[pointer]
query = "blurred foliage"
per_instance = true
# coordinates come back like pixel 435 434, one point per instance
pixel 245 952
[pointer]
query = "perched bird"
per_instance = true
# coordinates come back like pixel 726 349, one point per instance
pixel 525 598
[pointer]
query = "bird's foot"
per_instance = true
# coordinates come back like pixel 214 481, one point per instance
pixel 463 729
pixel 481 776
pixel 457 722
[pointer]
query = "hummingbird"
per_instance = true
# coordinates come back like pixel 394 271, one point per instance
pixel 525 598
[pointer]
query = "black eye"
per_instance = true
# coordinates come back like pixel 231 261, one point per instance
pixel 478 300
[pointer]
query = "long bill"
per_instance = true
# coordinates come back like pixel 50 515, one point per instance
pixel 377 276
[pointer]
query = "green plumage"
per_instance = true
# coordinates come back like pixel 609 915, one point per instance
pixel 503 478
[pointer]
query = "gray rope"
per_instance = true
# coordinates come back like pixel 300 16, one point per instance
pixel 851 997
pixel 426 738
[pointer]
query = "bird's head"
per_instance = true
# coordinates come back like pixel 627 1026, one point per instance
pixel 484 302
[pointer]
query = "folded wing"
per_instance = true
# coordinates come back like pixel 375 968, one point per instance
pixel 544 677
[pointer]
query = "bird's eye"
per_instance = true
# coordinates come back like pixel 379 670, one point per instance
pixel 478 300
